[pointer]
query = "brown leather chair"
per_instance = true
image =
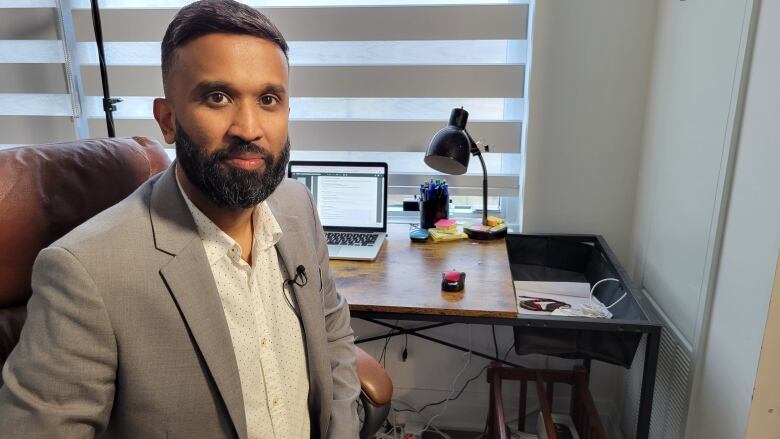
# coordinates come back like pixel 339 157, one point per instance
pixel 47 190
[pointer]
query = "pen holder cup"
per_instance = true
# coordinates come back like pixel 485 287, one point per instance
pixel 433 210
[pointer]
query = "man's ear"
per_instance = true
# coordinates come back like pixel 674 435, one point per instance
pixel 166 119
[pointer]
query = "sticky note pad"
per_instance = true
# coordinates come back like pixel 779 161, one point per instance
pixel 444 223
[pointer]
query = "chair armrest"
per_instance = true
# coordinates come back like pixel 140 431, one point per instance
pixel 374 381
pixel 376 392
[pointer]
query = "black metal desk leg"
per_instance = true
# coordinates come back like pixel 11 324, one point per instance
pixel 648 384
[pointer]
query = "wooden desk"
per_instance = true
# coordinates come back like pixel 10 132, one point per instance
pixel 404 283
pixel 406 278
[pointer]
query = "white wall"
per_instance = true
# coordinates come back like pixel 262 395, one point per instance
pixel 696 73
pixel 751 242
pixel 588 76
pixel 698 172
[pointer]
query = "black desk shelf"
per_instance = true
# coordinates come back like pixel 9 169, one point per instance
pixel 586 258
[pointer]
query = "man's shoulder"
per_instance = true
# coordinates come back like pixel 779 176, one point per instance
pixel 121 224
pixel 290 187
pixel 293 207
pixel 291 196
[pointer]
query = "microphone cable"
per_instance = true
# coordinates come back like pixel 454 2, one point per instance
pixel 299 279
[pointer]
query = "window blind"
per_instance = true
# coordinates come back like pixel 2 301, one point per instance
pixel 38 99
pixel 369 79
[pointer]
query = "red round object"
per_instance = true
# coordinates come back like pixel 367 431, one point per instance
pixel 452 276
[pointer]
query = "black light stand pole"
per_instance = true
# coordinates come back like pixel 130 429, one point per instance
pixel 108 103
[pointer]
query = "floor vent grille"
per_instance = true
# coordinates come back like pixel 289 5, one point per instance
pixel 671 395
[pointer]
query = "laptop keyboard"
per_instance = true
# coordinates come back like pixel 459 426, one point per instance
pixel 353 239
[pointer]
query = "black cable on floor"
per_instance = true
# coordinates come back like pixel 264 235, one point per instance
pixel 384 348
pixel 495 342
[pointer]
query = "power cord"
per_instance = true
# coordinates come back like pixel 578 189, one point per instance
pixel 590 298
pixel 396 429
pixel 592 309
pixel 460 392
pixel 495 341
pixel 462 389
pixel 452 390
pixel 384 348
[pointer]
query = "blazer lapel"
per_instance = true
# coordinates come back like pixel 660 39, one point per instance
pixel 192 286
pixel 308 298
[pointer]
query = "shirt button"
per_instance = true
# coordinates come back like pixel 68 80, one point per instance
pixel 262 342
pixel 276 402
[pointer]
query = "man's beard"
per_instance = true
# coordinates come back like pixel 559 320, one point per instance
pixel 228 186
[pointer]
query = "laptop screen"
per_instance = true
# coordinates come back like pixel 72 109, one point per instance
pixel 349 195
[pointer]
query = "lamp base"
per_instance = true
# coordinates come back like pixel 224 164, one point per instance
pixel 485 233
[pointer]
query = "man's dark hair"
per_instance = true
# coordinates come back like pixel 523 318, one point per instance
pixel 211 17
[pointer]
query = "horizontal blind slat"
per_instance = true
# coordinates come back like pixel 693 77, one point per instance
pixel 35 104
pixel 28 24
pixel 20 4
pixel 327 136
pixel 474 191
pixel 175 4
pixel 412 164
pixel 509 182
pixel 395 136
pixel 395 81
pixel 32 78
pixel 464 22
pixel 341 53
pixel 27 130
pixel 304 108
pixel 31 52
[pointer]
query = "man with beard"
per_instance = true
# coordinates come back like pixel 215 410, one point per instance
pixel 201 306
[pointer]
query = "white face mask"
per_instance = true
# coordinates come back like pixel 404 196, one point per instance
pixel 594 309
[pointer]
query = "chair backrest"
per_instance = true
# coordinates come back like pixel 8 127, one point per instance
pixel 46 191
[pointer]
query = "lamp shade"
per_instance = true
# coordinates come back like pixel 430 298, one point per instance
pixel 450 148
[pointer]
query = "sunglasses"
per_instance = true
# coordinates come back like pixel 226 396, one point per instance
pixel 537 304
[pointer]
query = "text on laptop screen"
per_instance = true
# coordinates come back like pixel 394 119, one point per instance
pixel 346 196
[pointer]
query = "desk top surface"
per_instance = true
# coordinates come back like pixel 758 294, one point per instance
pixel 406 278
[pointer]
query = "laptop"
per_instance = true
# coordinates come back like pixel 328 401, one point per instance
pixel 351 199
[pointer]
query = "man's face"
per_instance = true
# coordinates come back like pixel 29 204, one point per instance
pixel 227 109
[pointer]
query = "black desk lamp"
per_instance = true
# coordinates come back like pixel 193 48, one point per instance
pixel 449 153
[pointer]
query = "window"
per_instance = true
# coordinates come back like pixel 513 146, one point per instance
pixel 370 79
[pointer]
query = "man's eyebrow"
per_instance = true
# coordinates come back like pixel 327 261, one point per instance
pixel 206 87
pixel 273 88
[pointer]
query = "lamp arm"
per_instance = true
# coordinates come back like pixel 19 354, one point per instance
pixel 484 188
pixel 476 152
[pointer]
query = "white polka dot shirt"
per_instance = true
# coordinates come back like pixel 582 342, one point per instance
pixel 266 334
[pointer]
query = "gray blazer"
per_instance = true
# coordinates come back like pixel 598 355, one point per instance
pixel 126 337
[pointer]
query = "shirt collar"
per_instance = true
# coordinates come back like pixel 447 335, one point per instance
pixel 267 230
pixel 219 244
